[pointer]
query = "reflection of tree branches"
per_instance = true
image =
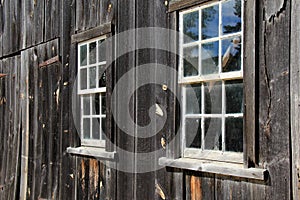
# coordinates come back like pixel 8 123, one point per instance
pixel 237 12
pixel 208 14
pixel 190 22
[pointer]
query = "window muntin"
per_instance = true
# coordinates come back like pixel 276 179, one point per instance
pixel 211 70
pixel 92 91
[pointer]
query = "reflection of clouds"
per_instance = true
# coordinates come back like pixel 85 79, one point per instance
pixel 228 16
pixel 208 52
pixel 194 53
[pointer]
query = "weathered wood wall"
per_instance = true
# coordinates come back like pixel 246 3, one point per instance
pixel 44 121
pixel 36 123
pixel 10 121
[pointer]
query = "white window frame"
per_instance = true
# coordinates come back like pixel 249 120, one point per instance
pixel 201 153
pixel 88 91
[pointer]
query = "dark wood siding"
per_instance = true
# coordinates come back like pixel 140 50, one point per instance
pixel 36 120
pixel 10 127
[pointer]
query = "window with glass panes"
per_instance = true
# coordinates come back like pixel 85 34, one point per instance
pixel 92 91
pixel 211 76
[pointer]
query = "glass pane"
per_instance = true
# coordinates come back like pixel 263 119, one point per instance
pixel 234 96
pixel 103 106
pixel 210 22
pixel 96 128
pixel 210 58
pixel 83 79
pixel 193 133
pixel 101 51
pixel 231 54
pixel 103 129
pixel 86 104
pixel 213 133
pixel 193 99
pixel 190 63
pixel 234 134
pixel 83 55
pixel 93 77
pixel 92 53
pixel 191 27
pixel 86 128
pixel 213 97
pixel 231 16
pixel 96 104
pixel 102 75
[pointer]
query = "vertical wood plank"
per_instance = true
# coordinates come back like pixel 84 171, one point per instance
pixel 295 92
pixel 250 85
pixel 1 27
pixel 200 186
pixel 6 38
pixel 274 96
pixel 52 19
pixel 126 14
pixel 107 12
pixel 2 108
pixel 24 97
pixel 15 27
pixel 33 22
pixel 68 136
pixel 15 129
pixel 6 131
pixel 144 98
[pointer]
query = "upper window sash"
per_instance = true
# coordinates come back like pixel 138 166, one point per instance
pixel 91 65
pixel 196 46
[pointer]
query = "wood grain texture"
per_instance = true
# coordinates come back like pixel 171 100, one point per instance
pixel 36 121
pixel 33 26
pixel 274 99
pixel 10 131
pixel 97 31
pixel 295 92
pixel 176 5
pixel 251 85
pixel 69 136
pixel 52 19
pixel 43 143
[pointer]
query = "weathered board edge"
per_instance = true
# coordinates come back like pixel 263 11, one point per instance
pixel 216 168
pixel 295 92
pixel 91 33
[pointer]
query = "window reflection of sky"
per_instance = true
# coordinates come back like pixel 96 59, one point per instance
pixel 191 26
pixel 229 15
pixel 210 22
pixel 210 50
pixel 209 57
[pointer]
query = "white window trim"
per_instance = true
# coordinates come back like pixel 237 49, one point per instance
pixel 213 155
pixel 90 143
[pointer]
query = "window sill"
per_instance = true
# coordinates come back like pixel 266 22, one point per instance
pixel 99 153
pixel 227 169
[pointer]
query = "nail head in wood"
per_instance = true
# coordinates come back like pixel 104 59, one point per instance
pixel 164 87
